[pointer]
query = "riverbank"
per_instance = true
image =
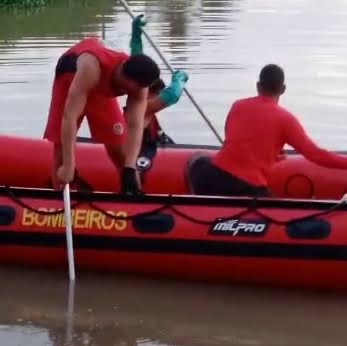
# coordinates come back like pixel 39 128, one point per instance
pixel 22 4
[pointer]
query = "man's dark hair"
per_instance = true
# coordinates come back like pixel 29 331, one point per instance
pixel 157 87
pixel 141 69
pixel 271 79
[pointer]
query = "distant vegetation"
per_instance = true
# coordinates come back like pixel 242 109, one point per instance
pixel 59 19
pixel 23 4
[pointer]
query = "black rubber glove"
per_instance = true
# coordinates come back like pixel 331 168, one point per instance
pixel 129 184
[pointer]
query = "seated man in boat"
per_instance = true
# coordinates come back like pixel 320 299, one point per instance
pixel 159 96
pixel 256 130
pixel 88 78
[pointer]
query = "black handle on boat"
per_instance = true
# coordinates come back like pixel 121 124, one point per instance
pixel 208 122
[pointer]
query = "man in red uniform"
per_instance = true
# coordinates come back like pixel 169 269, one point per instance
pixel 88 77
pixel 256 130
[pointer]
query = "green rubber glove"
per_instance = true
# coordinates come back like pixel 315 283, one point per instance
pixel 171 94
pixel 136 41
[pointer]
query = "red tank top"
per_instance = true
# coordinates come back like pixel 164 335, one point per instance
pixel 108 59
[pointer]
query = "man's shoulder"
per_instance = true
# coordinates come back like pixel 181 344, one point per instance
pixel 243 102
pixel 97 46
pixel 284 111
pixel 88 60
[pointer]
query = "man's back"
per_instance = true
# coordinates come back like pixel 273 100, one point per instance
pixel 108 60
pixel 254 136
pixel 256 130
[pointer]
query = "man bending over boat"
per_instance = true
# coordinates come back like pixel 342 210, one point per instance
pixel 88 78
pixel 256 130
pixel 159 96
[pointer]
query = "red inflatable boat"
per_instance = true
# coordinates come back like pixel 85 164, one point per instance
pixel 27 163
pixel 296 242
pixel 238 240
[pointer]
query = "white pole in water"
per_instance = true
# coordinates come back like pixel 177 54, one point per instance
pixel 70 312
pixel 68 225
pixel 127 8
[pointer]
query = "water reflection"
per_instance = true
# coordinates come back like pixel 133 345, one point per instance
pixel 221 43
pixel 182 26
pixel 121 310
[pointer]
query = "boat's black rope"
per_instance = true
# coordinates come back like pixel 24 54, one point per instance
pixel 129 217
pixel 252 208
pixel 18 201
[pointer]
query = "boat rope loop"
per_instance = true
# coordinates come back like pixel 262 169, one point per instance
pixel 252 208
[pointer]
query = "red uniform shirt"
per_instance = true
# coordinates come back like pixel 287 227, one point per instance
pixel 256 130
pixel 108 59
pixel 105 119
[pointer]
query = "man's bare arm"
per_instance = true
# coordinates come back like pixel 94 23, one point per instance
pixel 86 77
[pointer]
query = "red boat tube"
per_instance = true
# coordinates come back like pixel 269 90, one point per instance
pixel 28 164
pixel 238 240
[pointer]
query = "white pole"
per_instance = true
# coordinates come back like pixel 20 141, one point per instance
pixel 208 122
pixel 70 312
pixel 68 225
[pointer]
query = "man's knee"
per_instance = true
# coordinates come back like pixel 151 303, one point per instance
pixel 195 171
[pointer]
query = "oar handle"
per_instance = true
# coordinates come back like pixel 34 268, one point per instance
pixel 127 8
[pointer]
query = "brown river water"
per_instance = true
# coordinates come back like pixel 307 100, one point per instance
pixel 222 44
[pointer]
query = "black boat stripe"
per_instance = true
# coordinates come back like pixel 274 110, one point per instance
pixel 179 246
